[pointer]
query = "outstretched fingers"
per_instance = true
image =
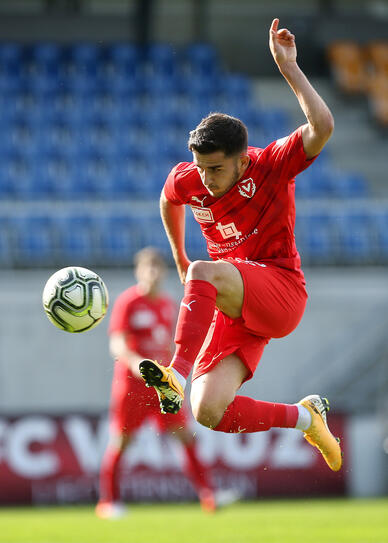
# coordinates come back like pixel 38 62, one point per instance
pixel 283 33
pixel 274 26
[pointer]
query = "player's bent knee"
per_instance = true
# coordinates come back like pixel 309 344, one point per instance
pixel 200 270
pixel 207 414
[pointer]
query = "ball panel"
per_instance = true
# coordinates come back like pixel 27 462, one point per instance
pixel 74 294
pixel 73 323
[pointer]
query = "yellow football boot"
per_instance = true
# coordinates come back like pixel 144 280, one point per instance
pixel 165 383
pixel 319 435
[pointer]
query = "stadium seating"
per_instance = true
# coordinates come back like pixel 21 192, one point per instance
pixel 101 126
pixel 363 69
pixel 348 66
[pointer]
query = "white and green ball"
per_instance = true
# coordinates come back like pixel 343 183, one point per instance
pixel 75 299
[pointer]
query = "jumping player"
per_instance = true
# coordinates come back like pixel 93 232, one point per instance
pixel 243 199
pixel 142 321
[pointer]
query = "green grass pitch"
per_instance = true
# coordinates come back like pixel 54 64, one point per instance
pixel 264 521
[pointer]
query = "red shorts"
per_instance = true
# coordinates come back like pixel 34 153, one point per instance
pixel 274 303
pixel 132 404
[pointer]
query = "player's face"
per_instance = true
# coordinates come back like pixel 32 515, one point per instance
pixel 149 274
pixel 218 172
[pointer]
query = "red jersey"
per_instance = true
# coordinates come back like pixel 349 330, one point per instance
pixel 148 323
pixel 255 219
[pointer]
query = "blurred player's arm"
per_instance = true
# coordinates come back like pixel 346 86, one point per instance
pixel 119 350
pixel 320 122
pixel 173 217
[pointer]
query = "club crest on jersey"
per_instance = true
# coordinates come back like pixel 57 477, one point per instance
pixel 247 188
pixel 202 214
pixel 228 230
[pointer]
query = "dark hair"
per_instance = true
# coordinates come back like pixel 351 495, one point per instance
pixel 146 254
pixel 219 132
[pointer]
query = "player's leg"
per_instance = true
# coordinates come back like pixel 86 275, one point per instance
pixel 208 284
pixel 109 504
pixel 193 467
pixel 215 405
pixel 128 410
pixel 196 471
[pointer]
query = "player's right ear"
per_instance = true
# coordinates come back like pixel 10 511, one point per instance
pixel 244 161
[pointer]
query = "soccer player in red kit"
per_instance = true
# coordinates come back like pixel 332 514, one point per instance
pixel 142 321
pixel 254 290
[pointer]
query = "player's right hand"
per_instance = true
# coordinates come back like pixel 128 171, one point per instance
pixel 281 44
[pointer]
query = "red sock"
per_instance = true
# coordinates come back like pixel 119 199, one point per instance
pixel 109 488
pixel 195 470
pixel 248 415
pixel 194 319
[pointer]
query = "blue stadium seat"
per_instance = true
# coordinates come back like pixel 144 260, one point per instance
pixel 82 84
pixel 157 85
pixel 356 237
pixel 150 230
pixel 195 242
pixel 76 237
pixel 315 237
pixel 10 83
pixel 43 84
pixel 61 140
pixel 117 238
pixel 69 109
pixel 136 176
pixel 125 85
pixel 380 222
pixel 103 108
pixel 349 185
pixel 123 57
pixel 11 55
pixel 97 178
pixel 34 237
pixel 274 122
pixel 83 58
pixel 197 86
pixel 201 59
pixel 312 183
pixel 160 59
pixel 235 86
pixel 46 57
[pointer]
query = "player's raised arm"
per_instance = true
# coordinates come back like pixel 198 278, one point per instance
pixel 320 122
pixel 173 217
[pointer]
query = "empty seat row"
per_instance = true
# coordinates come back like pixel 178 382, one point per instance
pixel 16 58
pixel 112 237
pixel 115 176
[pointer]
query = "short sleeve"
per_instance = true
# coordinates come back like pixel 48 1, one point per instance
pixel 171 188
pixel 119 320
pixel 287 156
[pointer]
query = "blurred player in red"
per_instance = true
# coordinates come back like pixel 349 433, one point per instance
pixel 142 321
pixel 243 199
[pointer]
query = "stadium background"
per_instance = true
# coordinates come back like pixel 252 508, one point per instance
pixel 96 100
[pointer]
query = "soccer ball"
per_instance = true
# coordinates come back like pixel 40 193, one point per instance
pixel 75 299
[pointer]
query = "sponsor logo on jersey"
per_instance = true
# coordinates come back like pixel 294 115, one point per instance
pixel 247 188
pixel 188 305
pixel 202 214
pixel 228 230
pixel 199 200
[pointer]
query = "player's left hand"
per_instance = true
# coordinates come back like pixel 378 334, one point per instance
pixel 281 44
